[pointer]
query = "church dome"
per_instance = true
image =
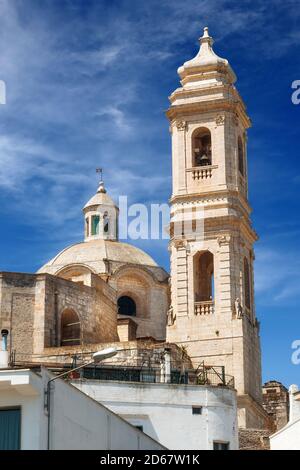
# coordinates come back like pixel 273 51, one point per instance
pixel 101 252
pixel 95 254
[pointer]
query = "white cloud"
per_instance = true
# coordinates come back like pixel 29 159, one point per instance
pixel 71 106
pixel 118 117
pixel 277 278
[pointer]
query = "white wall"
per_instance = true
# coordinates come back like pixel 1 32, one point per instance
pixel 165 411
pixel 288 438
pixel 77 421
pixel 294 397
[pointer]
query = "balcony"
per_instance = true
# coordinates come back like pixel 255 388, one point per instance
pixel 206 307
pixel 202 172
pixel 202 375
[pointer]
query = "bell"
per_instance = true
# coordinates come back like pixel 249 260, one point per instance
pixel 204 160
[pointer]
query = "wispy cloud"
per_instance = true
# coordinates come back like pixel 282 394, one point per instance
pixel 117 120
pixel 87 85
pixel 277 276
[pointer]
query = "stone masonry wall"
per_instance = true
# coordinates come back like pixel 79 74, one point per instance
pixel 276 403
pixel 31 307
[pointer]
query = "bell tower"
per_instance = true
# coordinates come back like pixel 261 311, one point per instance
pixel 212 309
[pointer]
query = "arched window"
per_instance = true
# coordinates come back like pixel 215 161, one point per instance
pixel 126 306
pixel 247 287
pixel 95 224
pixel 204 276
pixel 201 147
pixel 70 328
pixel 105 222
pixel 241 155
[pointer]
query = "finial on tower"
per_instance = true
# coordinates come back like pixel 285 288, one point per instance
pixel 101 188
pixel 205 32
pixel 206 38
pixel 205 58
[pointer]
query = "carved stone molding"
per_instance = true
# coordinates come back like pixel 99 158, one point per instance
pixel 179 243
pixel 181 125
pixel 224 240
pixel 220 120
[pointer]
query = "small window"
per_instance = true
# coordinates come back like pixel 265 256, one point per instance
pixel 197 410
pixel 221 445
pixel 126 306
pixel 105 222
pixel 247 283
pixel 70 328
pixel 95 224
pixel 241 156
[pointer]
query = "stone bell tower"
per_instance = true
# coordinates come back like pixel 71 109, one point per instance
pixel 212 290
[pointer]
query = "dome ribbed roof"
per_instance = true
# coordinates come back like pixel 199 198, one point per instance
pixel 92 254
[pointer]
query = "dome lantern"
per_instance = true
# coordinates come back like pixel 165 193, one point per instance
pixel 101 217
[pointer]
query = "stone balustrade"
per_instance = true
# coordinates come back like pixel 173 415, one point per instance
pixel 202 172
pixel 206 307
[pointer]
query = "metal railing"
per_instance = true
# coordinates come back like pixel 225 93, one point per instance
pixel 206 375
pixel 141 370
pixel 213 375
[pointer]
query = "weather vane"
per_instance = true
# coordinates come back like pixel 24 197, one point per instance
pixel 100 171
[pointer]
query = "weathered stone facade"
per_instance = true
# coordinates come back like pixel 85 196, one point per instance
pixel 207 306
pixel 254 439
pixel 276 403
pixel 31 307
pixel 212 284
pixel 84 284
pixel 151 297
pixel 128 270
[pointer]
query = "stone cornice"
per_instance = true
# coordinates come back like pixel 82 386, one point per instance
pixel 212 196
pixel 233 104
pixel 207 70
pixel 232 221
pixel 183 93
pixel 214 226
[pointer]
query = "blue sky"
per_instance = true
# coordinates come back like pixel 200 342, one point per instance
pixel 87 85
